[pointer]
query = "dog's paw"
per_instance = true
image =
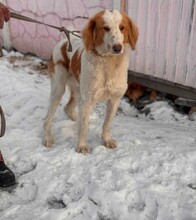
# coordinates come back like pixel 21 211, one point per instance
pixel 111 144
pixel 48 142
pixel 83 150
pixel 70 113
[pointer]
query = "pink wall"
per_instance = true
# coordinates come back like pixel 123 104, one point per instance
pixel 39 39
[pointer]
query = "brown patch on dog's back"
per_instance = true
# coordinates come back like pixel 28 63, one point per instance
pixel 65 62
pixel 51 66
pixel 76 64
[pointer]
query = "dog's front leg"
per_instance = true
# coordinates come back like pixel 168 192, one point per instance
pixel 83 123
pixel 112 107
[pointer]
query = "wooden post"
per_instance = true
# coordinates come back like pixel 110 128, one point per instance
pixel 120 5
pixel 123 5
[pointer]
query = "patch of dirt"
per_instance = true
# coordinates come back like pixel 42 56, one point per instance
pixel 31 62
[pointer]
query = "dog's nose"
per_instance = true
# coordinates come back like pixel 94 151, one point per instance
pixel 117 48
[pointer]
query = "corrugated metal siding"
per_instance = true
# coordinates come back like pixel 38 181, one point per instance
pixel 167 43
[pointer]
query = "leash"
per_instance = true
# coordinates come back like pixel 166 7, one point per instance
pixel 3 123
pixel 61 29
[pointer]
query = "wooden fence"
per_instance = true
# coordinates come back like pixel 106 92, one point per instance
pixel 166 47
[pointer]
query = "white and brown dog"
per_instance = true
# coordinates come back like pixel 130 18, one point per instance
pixel 96 70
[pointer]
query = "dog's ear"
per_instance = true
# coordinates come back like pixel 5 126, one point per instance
pixel 133 32
pixel 88 35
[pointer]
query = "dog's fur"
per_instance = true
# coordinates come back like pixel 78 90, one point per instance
pixel 96 70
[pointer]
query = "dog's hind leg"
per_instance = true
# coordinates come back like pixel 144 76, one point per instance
pixel 58 83
pixel 70 108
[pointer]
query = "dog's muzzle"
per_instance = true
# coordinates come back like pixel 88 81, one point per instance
pixel 117 48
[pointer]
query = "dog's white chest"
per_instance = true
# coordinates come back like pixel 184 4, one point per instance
pixel 103 78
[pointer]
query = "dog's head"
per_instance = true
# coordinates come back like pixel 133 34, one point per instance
pixel 108 32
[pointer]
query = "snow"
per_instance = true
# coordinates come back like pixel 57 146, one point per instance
pixel 151 175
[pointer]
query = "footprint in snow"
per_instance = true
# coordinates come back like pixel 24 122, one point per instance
pixel 151 209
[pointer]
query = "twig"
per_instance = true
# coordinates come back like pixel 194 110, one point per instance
pixel 71 19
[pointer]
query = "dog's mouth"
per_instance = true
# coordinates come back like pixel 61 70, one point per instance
pixel 116 53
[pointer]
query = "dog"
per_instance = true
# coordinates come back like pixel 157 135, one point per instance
pixel 95 71
pixel 136 90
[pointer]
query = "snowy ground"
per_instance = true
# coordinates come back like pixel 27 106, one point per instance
pixel 151 175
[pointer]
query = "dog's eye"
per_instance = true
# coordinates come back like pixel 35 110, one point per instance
pixel 121 28
pixel 106 28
